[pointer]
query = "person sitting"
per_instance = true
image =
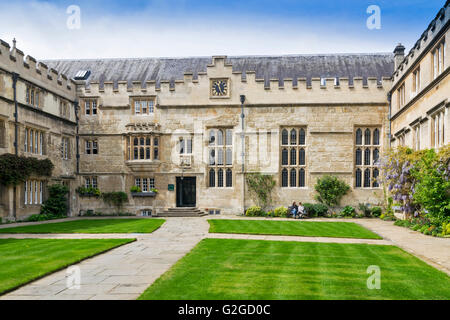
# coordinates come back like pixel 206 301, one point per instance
pixel 301 211
pixel 294 210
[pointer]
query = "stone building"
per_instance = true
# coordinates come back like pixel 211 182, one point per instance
pixel 39 103
pixel 193 127
pixel 421 88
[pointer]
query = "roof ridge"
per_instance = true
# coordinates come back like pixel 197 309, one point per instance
pixel 228 57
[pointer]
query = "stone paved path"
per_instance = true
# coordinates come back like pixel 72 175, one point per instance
pixel 125 272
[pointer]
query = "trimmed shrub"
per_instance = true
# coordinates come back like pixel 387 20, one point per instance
pixel 255 211
pixel 281 212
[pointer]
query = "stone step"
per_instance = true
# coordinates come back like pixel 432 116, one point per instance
pixel 182 212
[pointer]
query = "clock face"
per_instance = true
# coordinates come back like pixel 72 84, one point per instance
pixel 219 88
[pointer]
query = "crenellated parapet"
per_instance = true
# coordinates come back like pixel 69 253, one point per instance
pixel 196 91
pixel 37 73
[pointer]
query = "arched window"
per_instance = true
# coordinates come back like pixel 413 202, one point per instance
pixel 376 137
pixel 141 141
pixel 302 141
pixel 367 137
pixel 284 178
pixel 293 157
pixel 212 178
pixel 367 178
pixel 358 137
pixel 229 137
pixel 284 157
pixel 155 142
pixel 284 137
pixel 367 157
pixel 293 137
pixel 293 178
pixel 220 156
pixel 301 179
pixel 220 178
pixel 136 141
pixel 302 157
pixel 212 137
pixel 376 155
pixel 358 178
pixel 375 183
pixel 358 157
pixel 229 157
pixel 147 142
pixel 229 178
pixel 219 137
pixel 141 154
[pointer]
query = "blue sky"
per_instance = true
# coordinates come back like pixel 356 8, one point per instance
pixel 137 28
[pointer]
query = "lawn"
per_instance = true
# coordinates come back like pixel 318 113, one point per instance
pixel 91 226
pixel 271 270
pixel 292 228
pixel 22 261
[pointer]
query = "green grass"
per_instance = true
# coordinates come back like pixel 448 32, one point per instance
pixel 292 228
pixel 271 270
pixel 22 261
pixel 91 226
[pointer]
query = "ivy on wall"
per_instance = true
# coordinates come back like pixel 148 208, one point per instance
pixel 15 170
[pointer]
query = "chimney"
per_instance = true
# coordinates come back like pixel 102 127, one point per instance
pixel 399 55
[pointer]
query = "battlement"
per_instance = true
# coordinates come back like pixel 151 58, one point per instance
pixel 434 29
pixel 196 91
pixel 37 73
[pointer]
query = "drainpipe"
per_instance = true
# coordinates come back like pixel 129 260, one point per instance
pixel 15 77
pixel 243 150
pixel 77 138
pixel 390 114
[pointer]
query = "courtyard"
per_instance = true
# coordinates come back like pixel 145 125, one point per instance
pixel 186 258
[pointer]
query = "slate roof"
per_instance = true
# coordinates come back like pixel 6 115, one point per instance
pixel 266 67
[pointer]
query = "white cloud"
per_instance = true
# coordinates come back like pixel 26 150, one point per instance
pixel 41 31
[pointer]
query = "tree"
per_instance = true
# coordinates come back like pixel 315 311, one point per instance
pixel 330 190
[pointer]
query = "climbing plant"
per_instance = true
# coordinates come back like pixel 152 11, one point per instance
pixel 261 187
pixel 117 199
pixel 15 170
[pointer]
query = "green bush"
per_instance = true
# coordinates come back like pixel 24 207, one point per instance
pixel 56 204
pixel 255 211
pixel 330 190
pixel 309 209
pixel 135 189
pixel 365 210
pixel 281 212
pixel 320 210
pixel 348 211
pixel 82 191
pixel 376 211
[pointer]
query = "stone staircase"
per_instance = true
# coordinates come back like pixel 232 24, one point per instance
pixel 182 212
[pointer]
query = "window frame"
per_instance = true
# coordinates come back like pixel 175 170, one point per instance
pixel 220 141
pixel 296 146
pixel 366 150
